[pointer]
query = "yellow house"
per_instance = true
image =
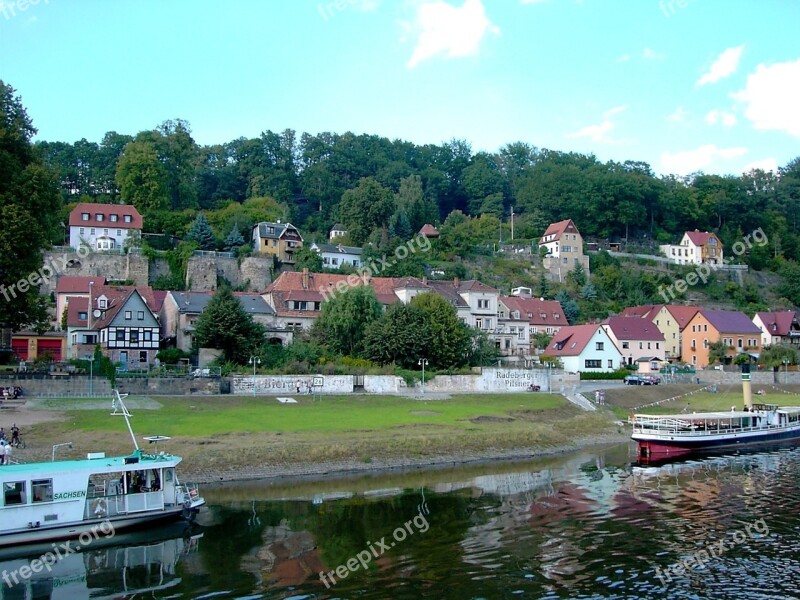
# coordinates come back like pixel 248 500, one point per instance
pixel 670 319
pixel 277 239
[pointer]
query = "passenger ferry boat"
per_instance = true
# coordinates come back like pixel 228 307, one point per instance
pixel 663 437
pixel 64 499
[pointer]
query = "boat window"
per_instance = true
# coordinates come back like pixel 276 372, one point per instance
pixel 42 490
pixel 14 493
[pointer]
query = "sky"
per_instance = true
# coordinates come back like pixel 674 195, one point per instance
pixel 684 85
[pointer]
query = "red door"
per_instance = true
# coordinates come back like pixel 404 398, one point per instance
pixel 51 347
pixel 20 348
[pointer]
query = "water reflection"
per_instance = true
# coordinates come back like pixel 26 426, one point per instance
pixel 144 562
pixel 586 525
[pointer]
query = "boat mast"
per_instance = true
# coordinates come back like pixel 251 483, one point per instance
pixel 118 403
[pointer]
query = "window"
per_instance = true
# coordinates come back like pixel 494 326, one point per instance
pixel 479 323
pixel 317 306
pixel 112 335
pixel 14 493
pixel 102 302
pixel 705 327
pixel 658 344
pixel 610 363
pixel 488 323
pixel 119 231
pixel 143 356
pixel 483 303
pixel 127 218
pixel 42 490
pixel 82 230
pixel 105 231
pixel 626 345
pixel 641 345
pixel 140 315
pixel 91 231
pixel 82 316
pixel 705 343
pixel 84 216
pixel 98 217
pixel 148 335
pixel 120 334
pixel 739 343
pixel 114 218
pixel 693 330
pixel 598 345
pixel 593 364
pixel 648 345
pixel 134 336
pixel 128 315
pixel 565 260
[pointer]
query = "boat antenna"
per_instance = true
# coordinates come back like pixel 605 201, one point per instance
pixel 120 409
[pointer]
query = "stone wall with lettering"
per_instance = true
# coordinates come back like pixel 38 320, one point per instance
pixel 490 380
pixel 290 384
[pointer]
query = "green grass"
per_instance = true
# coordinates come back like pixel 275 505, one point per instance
pixel 204 417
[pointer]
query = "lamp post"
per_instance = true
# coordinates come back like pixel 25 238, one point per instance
pixel 423 362
pixel 255 361
pixel 785 371
pixel 91 383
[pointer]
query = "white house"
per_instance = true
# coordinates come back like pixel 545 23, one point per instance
pixel 103 226
pixel 585 348
pixel 778 327
pixel 696 248
pixel 636 338
pixel 336 255
pixel 337 230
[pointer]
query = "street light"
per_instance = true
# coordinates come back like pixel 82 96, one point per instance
pixel 64 445
pixel 255 361
pixel 423 362
pixel 91 384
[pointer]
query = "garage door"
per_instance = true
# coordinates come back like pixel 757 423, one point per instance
pixel 20 348
pixel 51 347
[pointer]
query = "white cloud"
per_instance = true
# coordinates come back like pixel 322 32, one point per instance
pixel 624 58
pixel 723 67
pixel 456 32
pixel 764 164
pixel 691 161
pixel 601 131
pixel 772 97
pixel 726 119
pixel 678 116
pixel 650 54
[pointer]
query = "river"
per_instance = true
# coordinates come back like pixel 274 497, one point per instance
pixel 583 525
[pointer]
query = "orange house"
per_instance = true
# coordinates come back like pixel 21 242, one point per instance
pixel 733 328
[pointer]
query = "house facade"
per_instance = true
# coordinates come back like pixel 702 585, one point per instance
pixel 585 348
pixel 736 331
pixel 280 240
pixel 671 320
pixel 521 319
pixel 68 287
pixel 695 248
pixel 564 245
pixel 337 231
pixel 103 226
pixel 334 256
pixel 636 339
pixel 778 328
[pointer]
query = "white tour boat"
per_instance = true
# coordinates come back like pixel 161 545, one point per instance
pixel 62 499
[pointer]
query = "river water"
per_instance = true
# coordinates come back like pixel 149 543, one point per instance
pixel 584 525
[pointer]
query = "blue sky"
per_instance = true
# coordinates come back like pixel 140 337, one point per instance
pixel 685 85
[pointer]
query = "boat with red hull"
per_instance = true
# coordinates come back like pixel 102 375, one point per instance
pixel 665 437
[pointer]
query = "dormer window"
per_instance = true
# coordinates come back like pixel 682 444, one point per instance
pixel 99 216
pixel 114 218
pixel 84 216
pixel 82 316
pixel 127 218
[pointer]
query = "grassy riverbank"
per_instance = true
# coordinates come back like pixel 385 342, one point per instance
pixel 230 437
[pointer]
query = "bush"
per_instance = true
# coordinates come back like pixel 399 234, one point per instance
pixel 618 374
pixel 171 356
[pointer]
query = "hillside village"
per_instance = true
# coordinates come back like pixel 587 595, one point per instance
pixel 131 324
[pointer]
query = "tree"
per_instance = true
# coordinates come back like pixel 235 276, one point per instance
pixel 775 355
pixel 395 337
pixel 234 240
pixel 225 325
pixel 717 352
pixel 29 213
pixel 141 177
pixel 306 258
pixel 444 339
pixel 201 233
pixel 366 207
pixel 344 319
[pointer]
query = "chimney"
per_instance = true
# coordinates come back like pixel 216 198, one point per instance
pixel 456 282
pixel 424 280
pixel 305 279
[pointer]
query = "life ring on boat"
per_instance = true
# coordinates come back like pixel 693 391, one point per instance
pixel 100 507
pixel 193 493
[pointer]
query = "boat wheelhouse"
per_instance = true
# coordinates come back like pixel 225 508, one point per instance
pixel 68 498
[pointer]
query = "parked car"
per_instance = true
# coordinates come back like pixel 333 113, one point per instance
pixel 642 380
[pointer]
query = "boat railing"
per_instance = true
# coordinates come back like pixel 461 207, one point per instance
pixel 186 493
pixel 684 430
pixel 101 507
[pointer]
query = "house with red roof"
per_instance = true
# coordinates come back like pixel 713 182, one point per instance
pixel 636 339
pixel 585 348
pixel 733 328
pixel 564 245
pixel 671 320
pixel 519 319
pixel 70 286
pixel 778 328
pixel 103 226
pixel 429 231
pixel 695 248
